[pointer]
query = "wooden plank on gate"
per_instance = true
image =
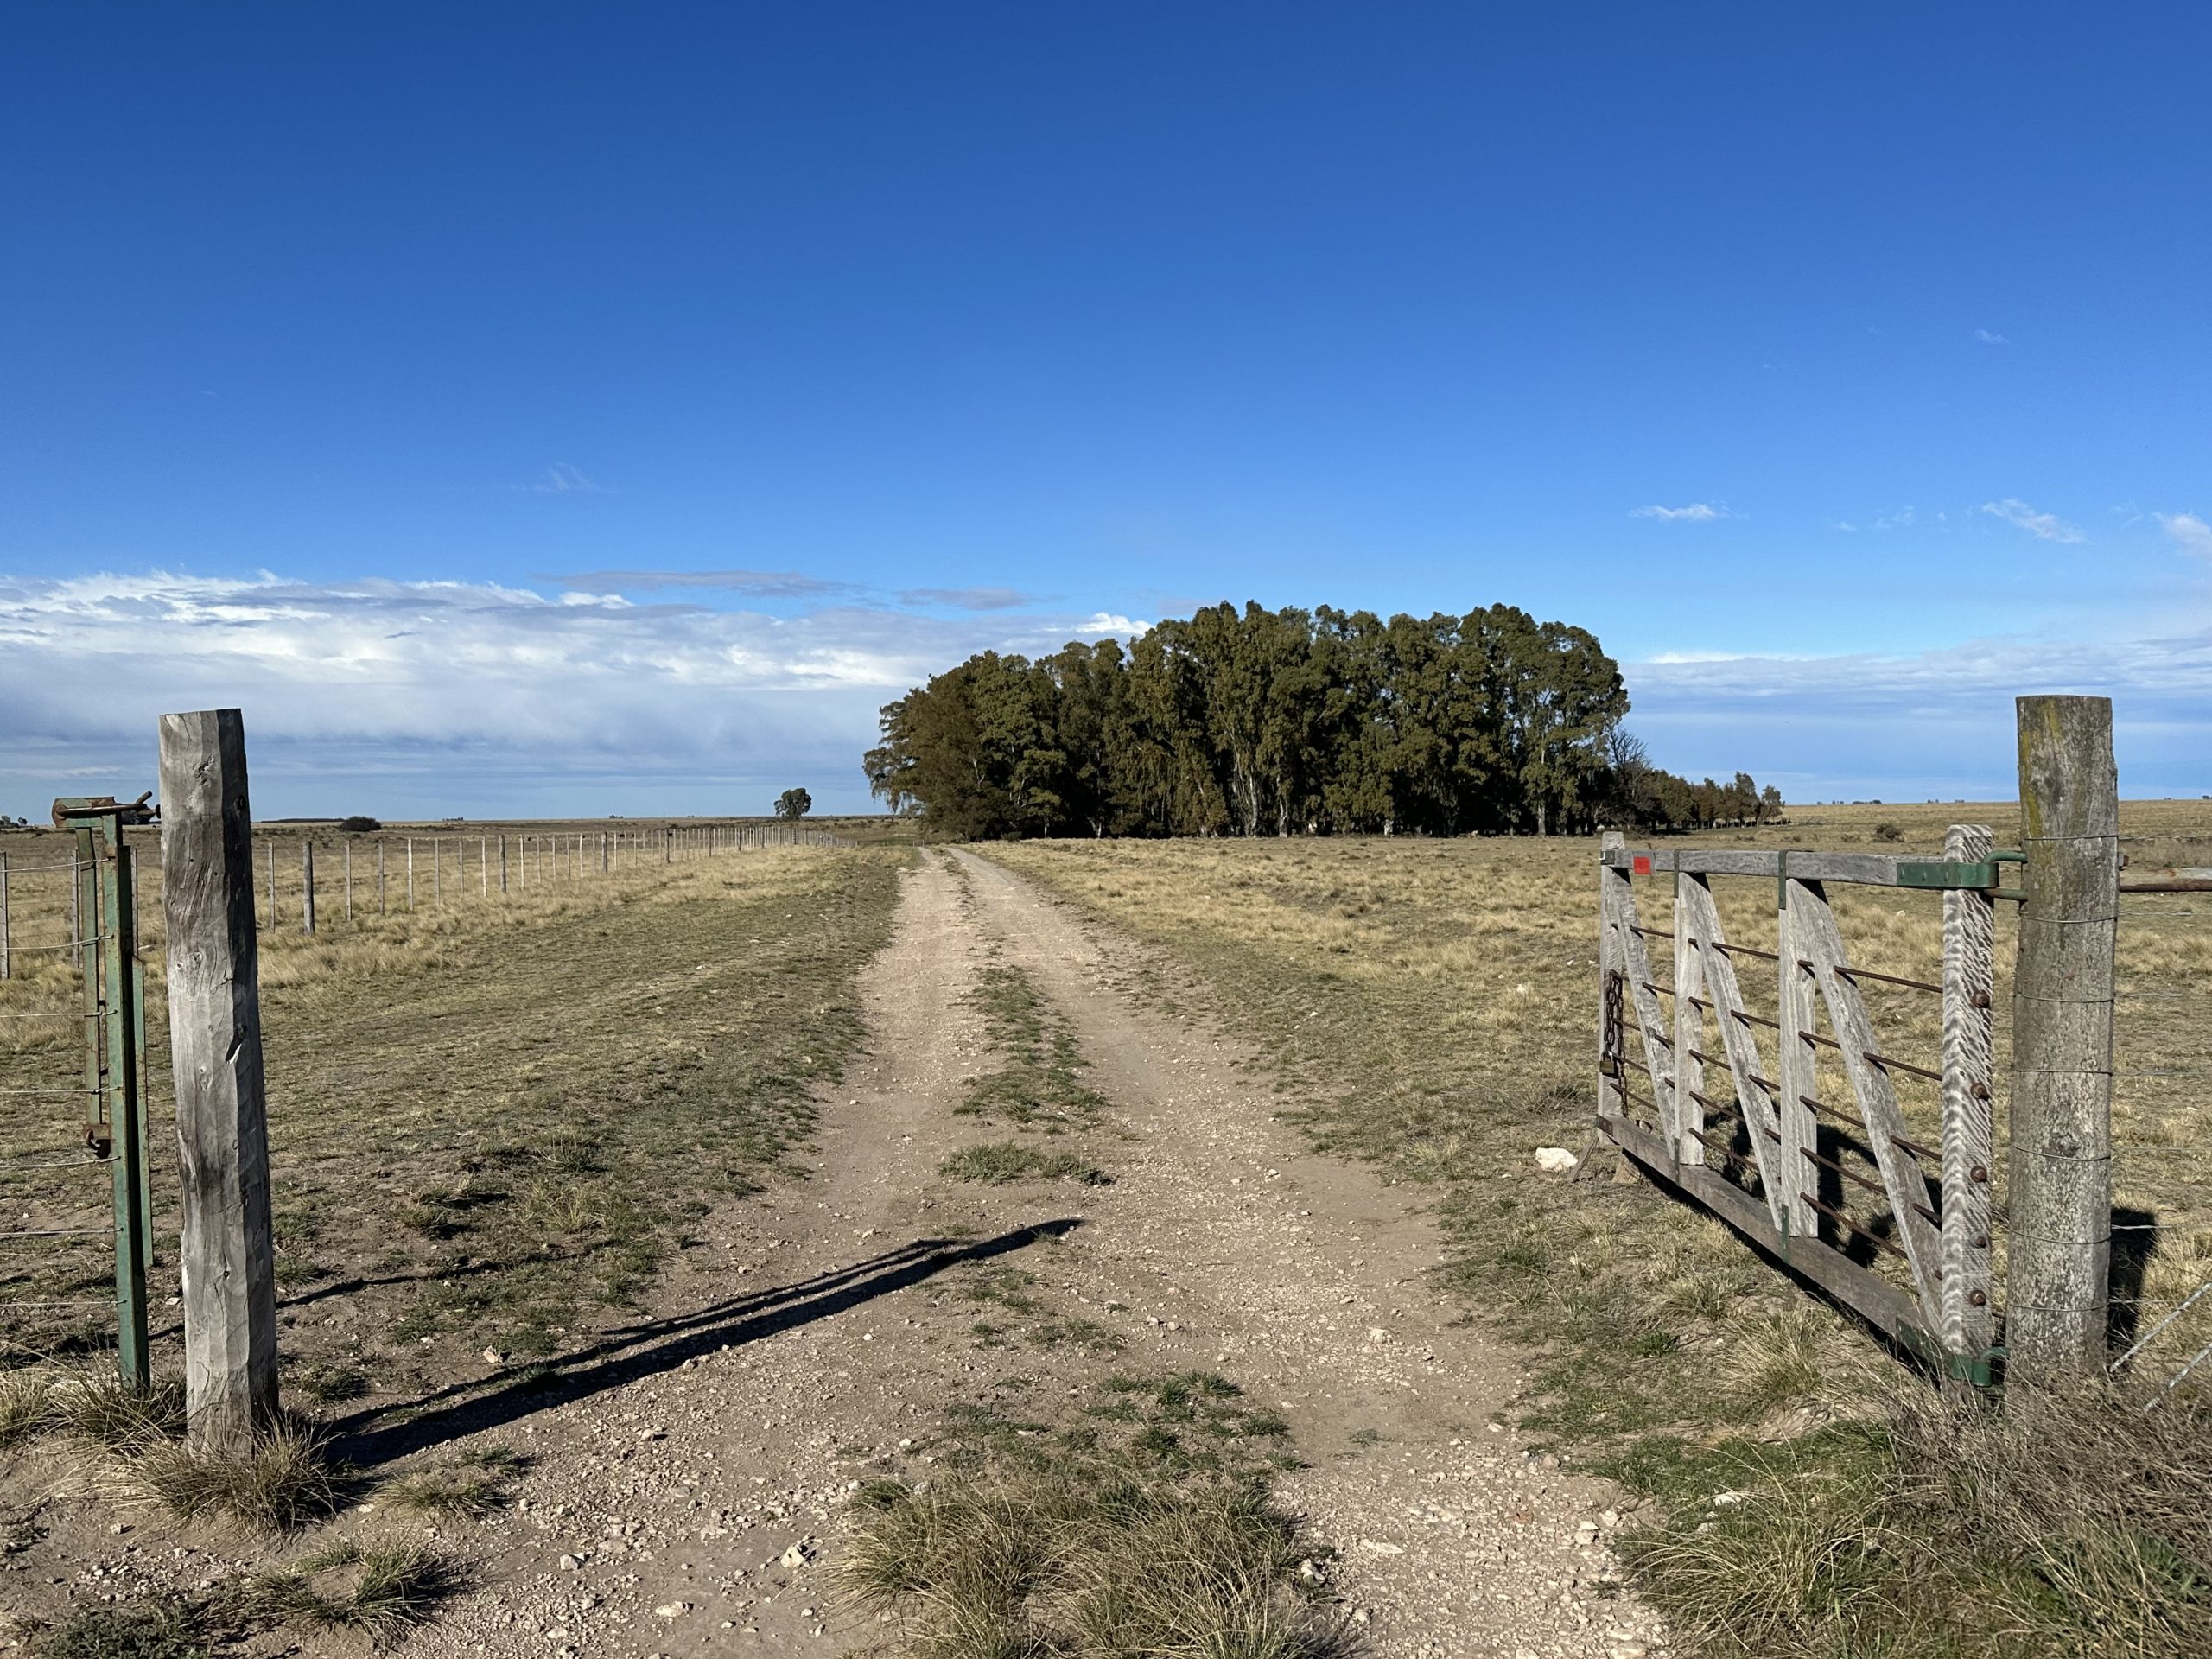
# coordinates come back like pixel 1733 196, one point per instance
pixel 1685 1133
pixel 1752 1096
pixel 1815 934
pixel 1612 977
pixel 1650 1023
pixel 1969 971
pixel 1866 869
pixel 1796 1072
pixel 1873 1298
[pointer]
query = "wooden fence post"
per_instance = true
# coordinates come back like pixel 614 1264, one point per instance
pixel 3 916
pixel 483 867
pixel 230 1287
pixel 273 881
pixel 503 863
pixel 307 885
pixel 349 845
pixel 2060 1198
pixel 410 873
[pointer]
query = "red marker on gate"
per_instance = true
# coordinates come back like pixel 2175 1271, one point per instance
pixel 1640 865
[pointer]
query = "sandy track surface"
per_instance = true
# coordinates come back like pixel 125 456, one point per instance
pixel 687 1491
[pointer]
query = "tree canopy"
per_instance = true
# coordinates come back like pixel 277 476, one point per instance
pixel 794 803
pixel 1289 722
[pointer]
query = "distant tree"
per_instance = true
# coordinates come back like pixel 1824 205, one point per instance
pixel 1771 808
pixel 794 803
pixel 1257 722
pixel 359 824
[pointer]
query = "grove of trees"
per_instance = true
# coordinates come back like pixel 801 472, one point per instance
pixel 1291 723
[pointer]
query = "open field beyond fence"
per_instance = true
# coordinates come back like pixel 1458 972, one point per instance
pixel 490 1116
pixel 1442 995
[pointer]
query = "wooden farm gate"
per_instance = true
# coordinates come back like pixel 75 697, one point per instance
pixel 1841 1115
pixel 1729 1108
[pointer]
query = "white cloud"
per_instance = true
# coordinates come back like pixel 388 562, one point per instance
pixel 2190 533
pixel 1928 725
pixel 561 479
pixel 2045 526
pixel 1988 339
pixel 451 697
pixel 1698 512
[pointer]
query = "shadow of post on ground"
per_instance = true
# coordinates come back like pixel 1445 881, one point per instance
pixel 382 1433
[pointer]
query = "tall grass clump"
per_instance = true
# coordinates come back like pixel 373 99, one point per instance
pixel 2059 1526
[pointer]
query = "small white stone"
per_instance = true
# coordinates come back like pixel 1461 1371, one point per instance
pixel 672 1610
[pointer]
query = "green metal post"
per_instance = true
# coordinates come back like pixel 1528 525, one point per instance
pixel 120 949
pixel 138 1071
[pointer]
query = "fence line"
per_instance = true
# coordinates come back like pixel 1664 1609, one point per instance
pixel 58 926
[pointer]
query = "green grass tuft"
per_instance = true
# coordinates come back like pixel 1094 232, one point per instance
pixel 998 1162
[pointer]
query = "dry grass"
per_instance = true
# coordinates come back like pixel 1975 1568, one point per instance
pixel 1143 1526
pixel 998 1162
pixel 380 1590
pixel 1439 998
pixel 478 1113
pixel 1941 1528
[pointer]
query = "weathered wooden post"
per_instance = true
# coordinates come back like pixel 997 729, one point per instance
pixel 349 845
pixel 380 875
pixel 229 1289
pixel 3 916
pixel 410 873
pixel 2060 1200
pixel 483 867
pixel 306 884
pixel 503 863
pixel 273 881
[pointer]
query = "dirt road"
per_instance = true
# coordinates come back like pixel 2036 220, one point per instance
pixel 686 1490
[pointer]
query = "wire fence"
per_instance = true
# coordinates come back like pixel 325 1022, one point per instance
pixel 316 888
pixel 2162 1158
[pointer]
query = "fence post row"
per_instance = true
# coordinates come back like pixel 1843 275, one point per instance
pixel 2059 1253
pixel 229 1301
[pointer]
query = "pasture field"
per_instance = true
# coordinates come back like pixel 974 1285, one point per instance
pixel 1439 997
pixel 490 1118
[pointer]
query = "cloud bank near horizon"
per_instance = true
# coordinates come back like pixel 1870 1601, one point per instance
pixel 469 698
pixel 426 699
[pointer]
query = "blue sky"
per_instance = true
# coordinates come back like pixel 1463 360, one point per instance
pixel 574 408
